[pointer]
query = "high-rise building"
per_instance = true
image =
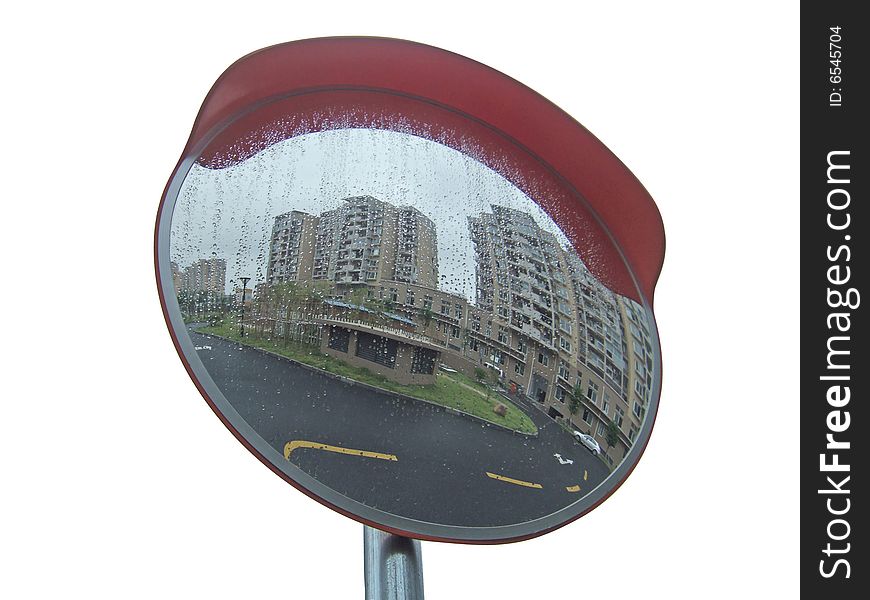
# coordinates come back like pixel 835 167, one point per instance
pixel 205 275
pixel 602 347
pixel 555 332
pixel 416 259
pixel 350 245
pixel 291 250
pixel 640 361
pixel 521 275
pixel 365 240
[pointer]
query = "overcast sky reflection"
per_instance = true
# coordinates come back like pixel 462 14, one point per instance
pixel 228 213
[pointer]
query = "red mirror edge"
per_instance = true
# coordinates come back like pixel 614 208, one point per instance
pixel 409 68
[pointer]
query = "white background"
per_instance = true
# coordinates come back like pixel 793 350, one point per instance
pixel 119 482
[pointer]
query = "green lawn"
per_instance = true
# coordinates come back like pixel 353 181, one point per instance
pixel 447 391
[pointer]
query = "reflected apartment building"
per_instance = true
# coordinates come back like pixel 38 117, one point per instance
pixel 363 241
pixel 353 249
pixel 556 332
pixel 205 275
pixel 540 322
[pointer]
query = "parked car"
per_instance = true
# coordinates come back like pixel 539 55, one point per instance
pixel 588 441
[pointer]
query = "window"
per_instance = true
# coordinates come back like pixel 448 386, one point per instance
pixel 521 345
pixel 563 370
pixel 457 311
pixel 394 295
pixel 619 416
pixel 339 338
pixel 376 349
pixel 454 331
pixel 560 394
pixel 639 388
pixel 427 302
pixel 445 308
pixel 564 344
pixel 503 311
pixel 632 433
pixel 612 372
pixel 565 326
pixel 592 392
pixel 587 416
pixel 601 430
pixel 543 358
pixel 423 361
pixel 409 297
pixel 640 369
pixel 638 410
pixel 519 368
pixel 606 405
pixel 502 335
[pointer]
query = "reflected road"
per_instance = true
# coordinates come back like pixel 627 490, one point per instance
pixel 448 469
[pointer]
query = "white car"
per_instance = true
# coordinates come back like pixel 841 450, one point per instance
pixel 588 441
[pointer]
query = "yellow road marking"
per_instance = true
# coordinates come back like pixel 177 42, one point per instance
pixel 289 447
pixel 514 481
pixel 585 475
pixel 573 488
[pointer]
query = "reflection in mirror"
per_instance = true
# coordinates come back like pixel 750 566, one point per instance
pixel 407 327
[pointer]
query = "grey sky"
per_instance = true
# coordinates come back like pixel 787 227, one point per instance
pixel 228 213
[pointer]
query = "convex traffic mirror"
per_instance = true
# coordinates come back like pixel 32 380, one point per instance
pixel 414 288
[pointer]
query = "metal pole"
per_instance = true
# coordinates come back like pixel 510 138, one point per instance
pixel 393 566
pixel 245 281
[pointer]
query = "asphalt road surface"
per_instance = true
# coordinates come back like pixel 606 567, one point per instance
pixel 448 469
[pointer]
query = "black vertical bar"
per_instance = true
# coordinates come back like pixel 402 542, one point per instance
pixel 834 365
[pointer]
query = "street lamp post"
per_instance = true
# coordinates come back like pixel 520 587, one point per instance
pixel 245 281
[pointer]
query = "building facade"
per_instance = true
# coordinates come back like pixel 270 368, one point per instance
pixel 291 249
pixel 363 241
pixel 556 333
pixel 205 275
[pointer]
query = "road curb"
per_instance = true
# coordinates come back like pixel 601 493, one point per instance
pixel 354 382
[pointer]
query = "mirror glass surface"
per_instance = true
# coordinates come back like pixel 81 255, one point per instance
pixel 401 330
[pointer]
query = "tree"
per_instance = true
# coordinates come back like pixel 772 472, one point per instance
pixel 480 374
pixel 574 405
pixel 612 434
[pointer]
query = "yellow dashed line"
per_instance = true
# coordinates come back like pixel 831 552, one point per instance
pixel 573 488
pixel 514 481
pixel 289 447
pixel 585 475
